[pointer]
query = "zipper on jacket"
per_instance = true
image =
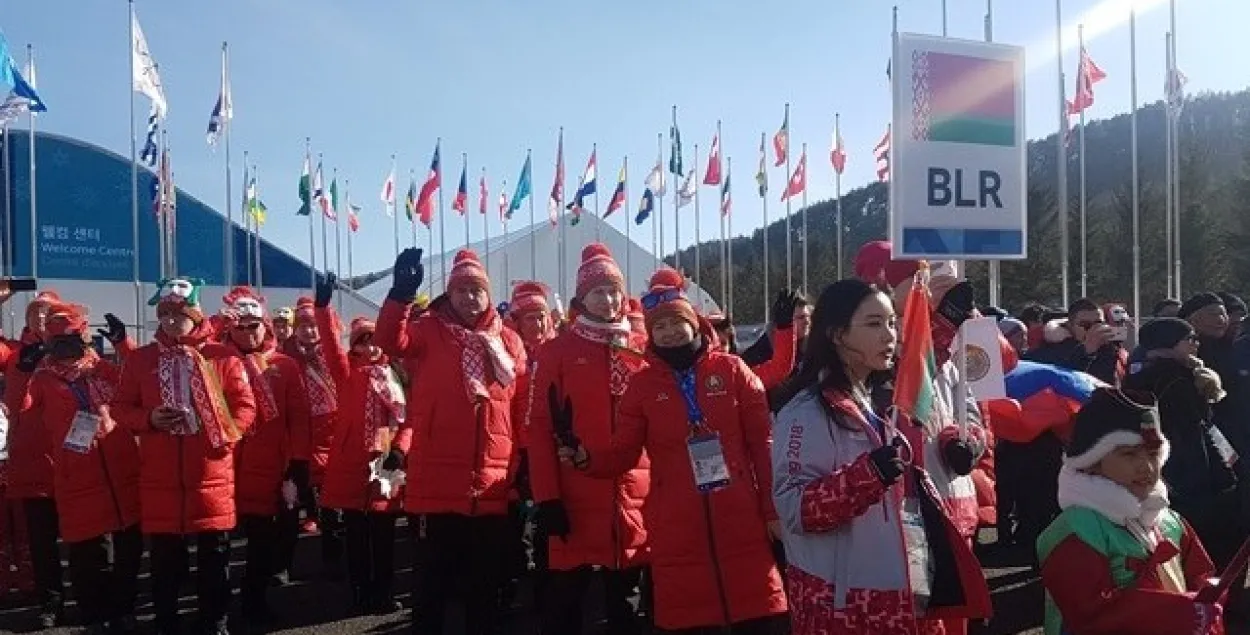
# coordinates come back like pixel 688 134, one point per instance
pixel 108 481
pixel 716 570
pixel 617 538
pixel 479 412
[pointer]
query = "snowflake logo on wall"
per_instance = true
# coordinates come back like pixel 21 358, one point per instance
pixel 85 198
pixel 60 159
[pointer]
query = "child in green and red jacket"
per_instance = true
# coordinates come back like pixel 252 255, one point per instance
pixel 1118 560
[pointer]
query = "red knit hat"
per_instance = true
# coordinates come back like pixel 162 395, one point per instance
pixel 667 298
pixel 361 327
pixel 528 297
pixel 598 269
pixel 465 269
pixel 244 302
pixel 875 262
pixel 66 319
pixel 305 310
pixel 42 300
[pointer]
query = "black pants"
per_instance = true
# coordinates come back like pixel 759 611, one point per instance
pixel 106 591
pixel 330 524
pixel 449 546
pixel 43 529
pixel 371 554
pixel 771 625
pixel 170 554
pixel 1033 475
pixel 286 539
pixel 565 594
pixel 263 535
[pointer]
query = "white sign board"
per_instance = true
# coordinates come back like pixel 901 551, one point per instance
pixel 957 166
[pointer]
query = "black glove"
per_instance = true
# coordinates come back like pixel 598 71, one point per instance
pixel 562 419
pixel 957 304
pixel 958 457
pixel 407 276
pixel 783 308
pixel 553 518
pixel 394 460
pixel 297 472
pixel 325 290
pixel 30 356
pixel 886 463
pixel 116 331
pixel 523 488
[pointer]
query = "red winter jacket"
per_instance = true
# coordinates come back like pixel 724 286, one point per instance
pixel 605 516
pixel 777 369
pixel 346 483
pixel 262 456
pixel 711 554
pixel 462 454
pixel 186 485
pixel 321 426
pixel 96 492
pixel 30 455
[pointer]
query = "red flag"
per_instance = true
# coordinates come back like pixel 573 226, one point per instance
pixel 433 181
pixel 557 188
pixel 837 154
pixel 882 154
pixel 781 141
pixel 482 195
pixel 712 175
pixel 353 221
pixel 798 180
pixel 1087 74
pixel 462 192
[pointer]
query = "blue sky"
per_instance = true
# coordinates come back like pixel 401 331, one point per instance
pixel 368 78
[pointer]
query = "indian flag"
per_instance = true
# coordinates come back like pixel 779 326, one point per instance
pixel 962 99
pixel 917 367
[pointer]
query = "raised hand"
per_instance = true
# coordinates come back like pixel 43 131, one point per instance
pixel 406 276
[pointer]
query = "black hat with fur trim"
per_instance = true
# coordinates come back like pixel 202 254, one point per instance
pixel 1113 418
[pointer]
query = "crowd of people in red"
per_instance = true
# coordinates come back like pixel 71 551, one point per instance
pixel 627 447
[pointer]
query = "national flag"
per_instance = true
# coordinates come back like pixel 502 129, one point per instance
pixel 645 207
pixel 943 111
pixel 462 192
pixel 689 186
pixel 223 111
pixel 151 152
pixel 305 189
pixel 320 195
pixel 761 175
pixel 1174 88
pixel 882 154
pixel 22 98
pixel 675 164
pixel 655 180
pixel 145 77
pixel 781 141
pixel 388 193
pixel 410 201
pixel 353 218
pixel 798 180
pixel 332 210
pixel 726 198
pixel 837 155
pixel 618 194
pixel 1087 74
pixel 712 177
pixel 433 181
pixel 482 195
pixel 916 366
pixel 524 188
pixel 252 203
pixel 503 200
pixel 557 188
pixel 585 187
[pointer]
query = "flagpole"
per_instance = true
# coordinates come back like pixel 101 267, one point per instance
pixel 995 270
pixel 412 220
pixel 1132 25
pixel 1061 149
pixel 594 152
pixel 8 207
pixel 629 244
pixel 464 159
pixel 229 237
pixel 1080 34
pixel 247 225
pixel 533 224
pixel 325 244
pixel 729 224
pixel 1167 163
pixel 1176 151
pixel 803 220
pixel 672 135
pixel 312 237
pixel 260 269
pixel 944 19
pixel 351 269
pixel 764 201
pixel 34 207
pixel 486 219
pixel 140 318
pixel 338 233
pixel 161 220
pixel 442 216
pixel 698 273
pixel 837 188
pixel 562 236
pixel 724 260
pixel 789 231
pixel 659 199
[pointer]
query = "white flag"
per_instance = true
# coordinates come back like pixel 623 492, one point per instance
pixel 985 360
pixel 688 187
pixel 655 180
pixel 144 73
pixel 388 193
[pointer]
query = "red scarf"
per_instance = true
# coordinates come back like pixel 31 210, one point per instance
pixel 477 345
pixel 615 336
pixel 99 390
pixel 189 382
pixel 318 382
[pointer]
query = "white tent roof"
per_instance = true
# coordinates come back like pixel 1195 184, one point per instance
pixel 534 253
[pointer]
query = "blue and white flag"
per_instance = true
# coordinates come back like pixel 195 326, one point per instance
pixel 151 152
pixel 223 111
pixel 21 96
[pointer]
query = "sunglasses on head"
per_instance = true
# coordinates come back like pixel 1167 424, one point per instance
pixel 656 298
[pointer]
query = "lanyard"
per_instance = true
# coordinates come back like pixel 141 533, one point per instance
pixel 685 381
pixel 84 403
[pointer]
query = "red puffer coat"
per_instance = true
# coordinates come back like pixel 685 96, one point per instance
pixel 31 474
pixel 346 483
pixel 711 554
pixel 186 485
pixel 463 453
pixel 278 436
pixel 605 516
pixel 323 413
pixel 97 492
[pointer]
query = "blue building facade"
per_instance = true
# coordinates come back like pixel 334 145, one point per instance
pixel 83 230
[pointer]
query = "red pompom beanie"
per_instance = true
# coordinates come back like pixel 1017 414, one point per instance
pixel 667 298
pixel 360 328
pixel 528 297
pixel 598 269
pixel 66 319
pixel 874 263
pixel 465 269
pixel 244 302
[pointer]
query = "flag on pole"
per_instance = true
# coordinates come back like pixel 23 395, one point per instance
pixel 798 180
pixel 585 187
pixel 461 203
pixel 388 193
pixel 482 195
pixel 761 175
pixel 618 194
pixel 674 158
pixel 645 207
pixel 305 190
pixel 252 203
pixel 837 154
pixel 685 194
pixel 410 201
pixel 353 218
pixel 781 141
pixel 503 200
pixel 882 154
pixel 331 205
pixel 523 189
pixel 1174 88
pixel 655 180
pixel 145 77
pixel 22 97
pixel 1087 74
pixel 319 193
pixel 433 181
pixel 916 367
pixel 223 111
pixel 726 198
pixel 712 177
pixel 557 188
pixel 151 150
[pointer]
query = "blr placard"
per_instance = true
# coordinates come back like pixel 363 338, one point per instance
pixel 958 178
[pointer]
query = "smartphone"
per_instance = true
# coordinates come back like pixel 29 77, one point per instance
pixel 1119 333
pixel 18 285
